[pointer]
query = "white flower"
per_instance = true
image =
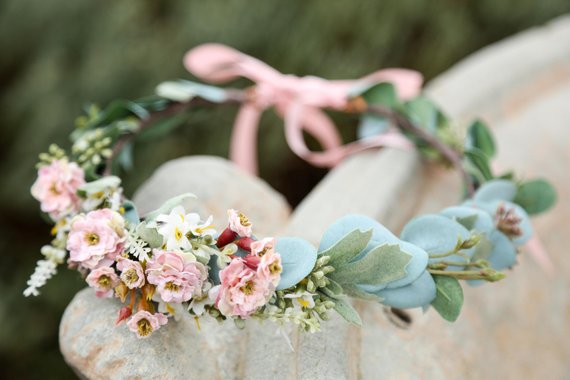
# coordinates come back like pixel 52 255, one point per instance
pixel 45 269
pixel 198 305
pixel 175 228
pixel 178 228
pixel 107 189
pixel 302 299
pixel 201 229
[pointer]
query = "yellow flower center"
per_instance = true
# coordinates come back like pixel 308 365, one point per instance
pixel 104 281
pixel 248 288
pixel 303 302
pixel 178 234
pixel 144 327
pixel 171 286
pixel 130 276
pixel 53 189
pixel 243 220
pixel 275 268
pixel 92 238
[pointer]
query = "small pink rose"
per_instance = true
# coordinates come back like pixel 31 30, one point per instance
pixel 270 266
pixel 263 246
pixel 144 323
pixel 243 290
pixel 96 239
pixel 103 280
pixel 132 273
pixel 176 281
pixel 56 188
pixel 239 223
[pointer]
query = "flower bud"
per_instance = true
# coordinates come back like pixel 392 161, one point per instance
pixel 124 313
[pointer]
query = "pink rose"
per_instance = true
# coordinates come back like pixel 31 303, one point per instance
pixel 263 246
pixel 239 223
pixel 56 188
pixel 144 323
pixel 175 280
pixel 243 290
pixel 270 267
pixel 103 280
pixel 132 273
pixel 96 239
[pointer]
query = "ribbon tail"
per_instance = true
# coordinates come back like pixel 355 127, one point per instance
pixel 540 254
pixel 243 146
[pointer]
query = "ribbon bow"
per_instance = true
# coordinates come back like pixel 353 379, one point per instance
pixel 298 100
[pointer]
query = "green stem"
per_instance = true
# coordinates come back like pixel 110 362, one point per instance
pixel 490 275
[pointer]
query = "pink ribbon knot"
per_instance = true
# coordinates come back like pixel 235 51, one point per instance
pixel 298 100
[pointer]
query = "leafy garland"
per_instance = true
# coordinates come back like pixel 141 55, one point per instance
pixel 171 262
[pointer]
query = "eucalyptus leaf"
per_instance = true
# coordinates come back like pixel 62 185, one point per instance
pixel 345 310
pixel 347 248
pixel 343 226
pixel 535 196
pixel 449 297
pixel 169 205
pixel 435 234
pixel 384 264
pixel 298 258
pixel 150 235
pixel 380 236
pixel 131 214
pixel 471 218
pixel 419 293
pixel 479 136
pixel 498 189
pixel 371 126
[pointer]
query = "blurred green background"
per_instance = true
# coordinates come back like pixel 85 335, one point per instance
pixel 58 55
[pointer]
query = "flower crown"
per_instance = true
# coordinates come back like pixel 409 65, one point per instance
pixel 171 261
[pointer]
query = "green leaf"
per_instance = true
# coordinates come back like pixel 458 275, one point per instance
pixel 535 196
pixel 449 297
pixel 423 113
pixel 348 247
pixel 383 264
pixel 333 289
pixel 381 94
pixel 150 235
pixel 162 127
pixel 345 310
pixel 102 184
pixel 480 137
pixel 168 206
pixel 118 109
pixel 125 158
pixel 480 162
pixel 184 91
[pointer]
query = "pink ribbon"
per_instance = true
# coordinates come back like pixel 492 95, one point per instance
pixel 298 100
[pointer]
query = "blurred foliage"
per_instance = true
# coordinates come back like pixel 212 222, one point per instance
pixel 58 55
